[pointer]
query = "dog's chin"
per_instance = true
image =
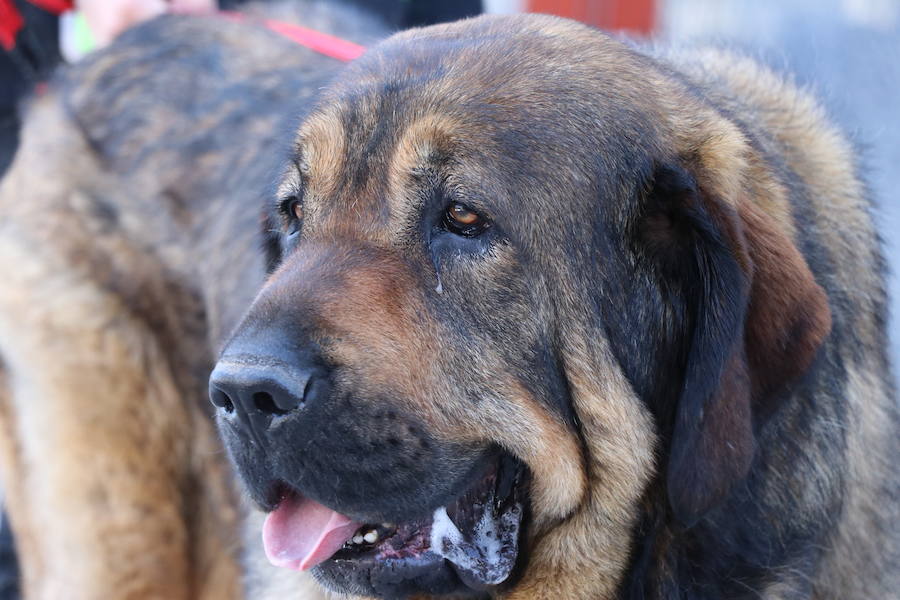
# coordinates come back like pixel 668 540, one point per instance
pixel 463 549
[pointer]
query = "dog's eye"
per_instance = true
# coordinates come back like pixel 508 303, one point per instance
pixel 292 208
pixel 296 209
pixel 462 220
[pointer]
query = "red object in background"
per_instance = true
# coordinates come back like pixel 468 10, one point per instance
pixel 318 41
pixel 56 7
pixel 11 21
pixel 322 43
pixel 10 24
pixel 636 16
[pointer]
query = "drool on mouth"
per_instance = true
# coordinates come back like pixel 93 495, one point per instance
pixel 477 534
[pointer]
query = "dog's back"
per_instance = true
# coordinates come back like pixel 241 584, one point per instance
pixel 129 243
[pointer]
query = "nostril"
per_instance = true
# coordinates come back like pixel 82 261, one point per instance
pixel 221 400
pixel 266 404
pixel 258 392
pixel 317 388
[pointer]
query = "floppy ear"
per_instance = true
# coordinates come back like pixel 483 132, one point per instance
pixel 758 318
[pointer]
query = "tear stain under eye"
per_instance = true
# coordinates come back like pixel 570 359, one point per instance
pixel 437 272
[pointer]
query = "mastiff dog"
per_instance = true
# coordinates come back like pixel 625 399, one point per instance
pixel 516 310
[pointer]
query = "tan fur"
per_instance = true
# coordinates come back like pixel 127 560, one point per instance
pixel 91 399
pixel 102 364
pixel 595 538
pixel 324 147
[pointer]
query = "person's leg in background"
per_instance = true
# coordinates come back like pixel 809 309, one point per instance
pixel 419 13
pixel 9 566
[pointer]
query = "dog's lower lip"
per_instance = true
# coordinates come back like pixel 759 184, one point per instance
pixel 475 538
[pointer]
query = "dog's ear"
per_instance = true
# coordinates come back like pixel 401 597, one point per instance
pixel 757 319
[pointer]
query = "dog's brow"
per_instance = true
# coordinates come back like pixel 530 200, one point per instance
pixel 321 142
pixel 291 181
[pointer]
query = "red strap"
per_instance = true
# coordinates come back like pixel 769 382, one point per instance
pixel 322 43
pixel 10 24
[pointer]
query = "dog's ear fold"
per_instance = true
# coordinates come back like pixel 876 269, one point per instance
pixel 758 318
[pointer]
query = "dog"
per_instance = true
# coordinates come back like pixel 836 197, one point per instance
pixel 538 314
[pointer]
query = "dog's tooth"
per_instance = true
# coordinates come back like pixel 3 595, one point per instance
pixel 357 539
pixel 388 525
pixel 371 537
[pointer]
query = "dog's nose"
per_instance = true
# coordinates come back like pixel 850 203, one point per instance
pixel 256 390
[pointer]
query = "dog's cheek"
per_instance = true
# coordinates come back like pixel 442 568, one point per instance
pixel 513 391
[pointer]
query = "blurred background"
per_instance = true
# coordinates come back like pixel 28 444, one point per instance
pixel 846 51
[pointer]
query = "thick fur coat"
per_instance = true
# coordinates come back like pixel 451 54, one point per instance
pixel 672 318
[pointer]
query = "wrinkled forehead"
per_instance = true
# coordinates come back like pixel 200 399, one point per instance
pixel 367 164
pixel 508 119
pixel 359 145
pixel 375 154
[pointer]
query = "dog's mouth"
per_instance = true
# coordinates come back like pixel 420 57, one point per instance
pixel 472 543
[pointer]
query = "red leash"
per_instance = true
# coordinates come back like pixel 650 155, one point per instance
pixel 329 45
pixel 322 43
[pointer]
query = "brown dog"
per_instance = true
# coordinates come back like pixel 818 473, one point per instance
pixel 547 318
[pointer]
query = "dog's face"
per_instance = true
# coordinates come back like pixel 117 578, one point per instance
pixel 504 266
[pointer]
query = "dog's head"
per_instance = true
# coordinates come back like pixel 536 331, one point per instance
pixel 516 278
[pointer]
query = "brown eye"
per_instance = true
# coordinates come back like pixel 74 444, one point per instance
pixel 462 215
pixel 462 220
pixel 297 210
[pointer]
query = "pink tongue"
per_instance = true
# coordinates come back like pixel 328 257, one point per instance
pixel 301 533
